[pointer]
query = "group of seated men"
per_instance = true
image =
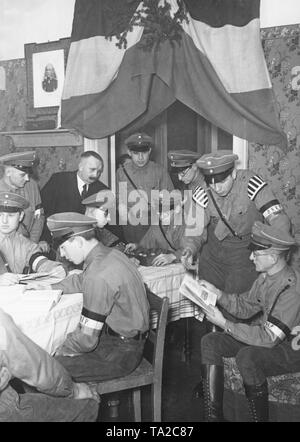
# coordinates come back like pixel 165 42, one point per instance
pixel 238 210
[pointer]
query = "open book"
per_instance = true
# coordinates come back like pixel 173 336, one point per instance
pixel 200 295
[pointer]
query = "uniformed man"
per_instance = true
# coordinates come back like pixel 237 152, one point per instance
pixel 57 396
pixel 183 163
pixel 233 199
pixel 98 206
pixel 263 347
pixel 141 177
pixel 19 254
pixel 167 235
pixel 115 304
pixel 17 168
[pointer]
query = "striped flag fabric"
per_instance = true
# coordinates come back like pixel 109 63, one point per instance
pixel 218 69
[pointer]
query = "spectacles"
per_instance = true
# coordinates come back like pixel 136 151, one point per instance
pixel 184 172
pixel 257 253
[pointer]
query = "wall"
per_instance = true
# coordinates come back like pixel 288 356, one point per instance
pixel 13 118
pixel 281 165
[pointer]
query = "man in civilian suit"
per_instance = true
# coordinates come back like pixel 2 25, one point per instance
pixel 65 191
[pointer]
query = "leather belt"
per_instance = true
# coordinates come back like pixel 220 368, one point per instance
pixel 139 336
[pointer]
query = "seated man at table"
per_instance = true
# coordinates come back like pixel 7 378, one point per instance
pixel 115 303
pixel 58 398
pixel 19 254
pixel 265 346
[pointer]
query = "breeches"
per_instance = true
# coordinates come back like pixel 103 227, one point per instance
pixel 113 358
pixel 254 363
pixel 38 407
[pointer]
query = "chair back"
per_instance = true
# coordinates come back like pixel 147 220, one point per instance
pixel 154 347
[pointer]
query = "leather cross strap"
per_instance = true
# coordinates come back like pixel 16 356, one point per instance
pixel 222 215
pixel 133 184
pixel 164 234
pixel 149 206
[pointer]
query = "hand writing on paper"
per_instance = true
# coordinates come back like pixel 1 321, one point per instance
pixel 9 279
pixel 38 285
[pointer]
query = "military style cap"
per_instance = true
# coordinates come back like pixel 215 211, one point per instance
pixel 104 199
pixel 20 160
pixel 139 142
pixel 12 202
pixel 216 162
pixel 67 224
pixel 182 159
pixel 217 165
pixel 264 237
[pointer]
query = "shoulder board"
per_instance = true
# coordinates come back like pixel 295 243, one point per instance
pixel 255 184
pixel 200 196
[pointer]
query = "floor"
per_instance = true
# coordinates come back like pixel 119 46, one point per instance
pixel 179 379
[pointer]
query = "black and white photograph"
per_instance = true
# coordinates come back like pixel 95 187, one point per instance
pixel 150 213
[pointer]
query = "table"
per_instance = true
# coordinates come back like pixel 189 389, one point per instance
pixel 48 326
pixel 45 324
pixel 166 281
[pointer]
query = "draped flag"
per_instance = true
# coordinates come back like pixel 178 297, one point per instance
pixel 217 69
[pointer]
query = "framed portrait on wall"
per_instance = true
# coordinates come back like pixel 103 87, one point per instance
pixel 45 69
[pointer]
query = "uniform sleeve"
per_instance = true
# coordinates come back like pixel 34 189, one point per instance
pixel 242 305
pixel 192 238
pixel 98 300
pixel 266 202
pixel 275 328
pixel 37 223
pixel 71 284
pixel 30 363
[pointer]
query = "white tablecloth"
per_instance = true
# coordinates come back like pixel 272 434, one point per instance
pixel 46 325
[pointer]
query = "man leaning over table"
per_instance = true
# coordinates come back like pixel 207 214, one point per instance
pixel 19 254
pixel 57 399
pixel 109 339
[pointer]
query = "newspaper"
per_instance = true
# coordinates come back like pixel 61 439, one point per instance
pixel 199 294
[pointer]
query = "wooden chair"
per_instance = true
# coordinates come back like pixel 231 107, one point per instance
pixel 149 372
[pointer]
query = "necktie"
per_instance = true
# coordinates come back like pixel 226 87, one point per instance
pixel 84 191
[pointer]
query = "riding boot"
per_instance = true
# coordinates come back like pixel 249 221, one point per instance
pixel 213 389
pixel 257 396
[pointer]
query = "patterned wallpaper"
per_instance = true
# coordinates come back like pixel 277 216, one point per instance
pixel 13 118
pixel 281 166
